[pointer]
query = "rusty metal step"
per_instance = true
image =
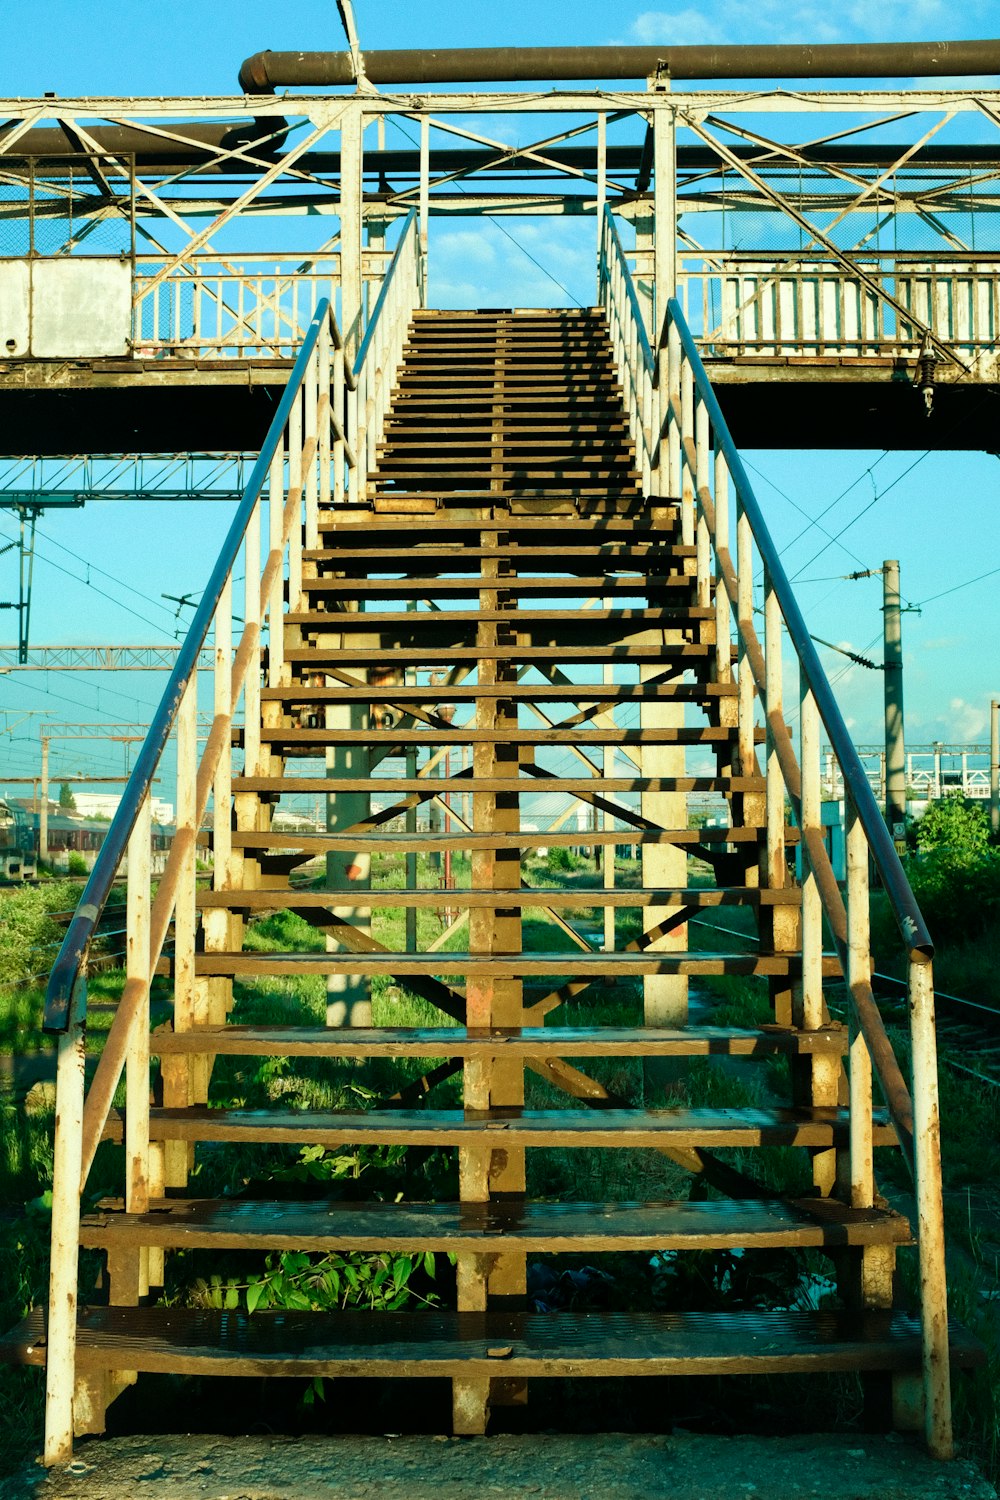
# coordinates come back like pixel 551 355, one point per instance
pixel 626 617
pixel 471 966
pixel 418 552
pixel 576 1128
pixel 306 741
pixel 701 897
pixel 189 1341
pixel 456 1041
pixel 515 692
pixel 423 586
pixel 489 1228
pixel 320 657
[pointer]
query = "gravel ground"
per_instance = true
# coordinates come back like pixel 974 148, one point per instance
pixel 605 1467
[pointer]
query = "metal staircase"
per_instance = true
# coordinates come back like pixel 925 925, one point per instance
pixel 535 581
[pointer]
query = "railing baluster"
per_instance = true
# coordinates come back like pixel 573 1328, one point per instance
pixel 744 620
pixel 323 419
pixel 295 483
pixel 275 612
pixel 930 1210
pixel 137 1057
pixel 775 796
pixel 686 444
pixel 811 828
pixel 310 396
pixel 67 1161
pixel 222 828
pixel 858 973
pixel 703 540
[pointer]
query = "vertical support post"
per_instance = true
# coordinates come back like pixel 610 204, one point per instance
pixel 410 858
pixel 340 417
pixel 858 975
pixel 67 1166
pixel 744 620
pixel 179 1072
pixel 295 487
pixel 602 176
pixel 222 786
pixel 995 767
pixel 664 275
pixel 351 148
pixel 811 829
pixel 608 820
pixel 895 758
pixel 686 445
pixel 137 972
pixel 425 189
pixel 775 783
pixel 275 612
pixel 703 563
pixel 310 475
pixel 930 1210
pixel 43 804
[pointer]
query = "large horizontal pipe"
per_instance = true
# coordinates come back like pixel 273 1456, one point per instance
pixel 201 140
pixel 266 71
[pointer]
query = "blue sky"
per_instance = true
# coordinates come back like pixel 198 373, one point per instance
pixel 940 520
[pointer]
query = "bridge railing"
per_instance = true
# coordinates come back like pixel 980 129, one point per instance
pixel 788 305
pixel 691 455
pixel 243 307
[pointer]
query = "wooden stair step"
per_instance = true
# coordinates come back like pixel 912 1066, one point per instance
pixel 619 1128
pixel 396 843
pixel 382 896
pixel 319 657
pixel 457 1041
pixel 615 553
pixel 641 616
pixel 471 966
pixel 318 738
pixel 417 586
pixel 189 1341
pixel 515 692
pixel 364 521
pixel 525 785
pixel 490 1228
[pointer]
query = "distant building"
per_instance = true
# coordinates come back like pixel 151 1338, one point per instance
pixel 105 805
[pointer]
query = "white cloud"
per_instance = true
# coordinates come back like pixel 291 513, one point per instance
pixel 738 21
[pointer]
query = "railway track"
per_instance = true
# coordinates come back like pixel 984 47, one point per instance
pixel 965 1028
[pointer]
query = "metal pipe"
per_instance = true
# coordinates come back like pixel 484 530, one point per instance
pixel 261 136
pixel 265 71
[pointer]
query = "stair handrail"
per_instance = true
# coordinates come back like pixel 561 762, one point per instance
pixel 699 443
pixel 693 459
pixel 381 348
pixel 72 955
pixel 304 462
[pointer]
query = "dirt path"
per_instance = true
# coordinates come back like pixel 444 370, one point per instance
pixel 606 1467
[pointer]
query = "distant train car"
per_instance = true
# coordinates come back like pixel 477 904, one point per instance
pixel 17 845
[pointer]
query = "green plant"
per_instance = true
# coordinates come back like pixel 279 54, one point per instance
pixel 561 858
pixel 77 865
pixel 66 798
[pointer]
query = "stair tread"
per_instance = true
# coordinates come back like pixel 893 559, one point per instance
pixel 580 896
pixel 200 1341
pixel 454 735
pixel 455 1041
pixel 248 1224
pixel 708 1128
pixel 521 692
pixel 573 961
pixel 526 785
pixel 527 838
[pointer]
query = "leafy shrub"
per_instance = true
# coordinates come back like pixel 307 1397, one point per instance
pixel 77 864
pixel 562 859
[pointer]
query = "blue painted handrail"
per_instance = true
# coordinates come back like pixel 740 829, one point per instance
pixel 380 301
pixel 73 953
pixel 901 898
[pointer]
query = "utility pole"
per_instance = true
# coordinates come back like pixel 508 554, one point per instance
pixel 995 767
pixel 895 756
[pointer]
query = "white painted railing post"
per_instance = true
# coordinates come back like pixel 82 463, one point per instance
pixel 773 707
pixel 60 1358
pixel 811 829
pixel 137 970
pixel 859 969
pixel 703 565
pixel 744 620
pixel 930 1210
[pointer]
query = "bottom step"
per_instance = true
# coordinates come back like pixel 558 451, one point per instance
pixel 518 1345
